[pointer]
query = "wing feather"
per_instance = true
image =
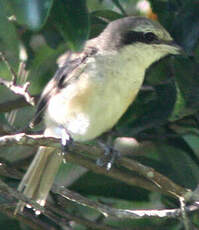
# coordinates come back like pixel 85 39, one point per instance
pixel 69 63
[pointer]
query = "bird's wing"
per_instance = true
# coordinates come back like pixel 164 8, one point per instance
pixel 70 67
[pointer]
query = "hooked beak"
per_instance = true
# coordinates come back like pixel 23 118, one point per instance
pixel 176 49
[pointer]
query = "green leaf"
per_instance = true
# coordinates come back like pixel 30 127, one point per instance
pixel 107 14
pixel 7 30
pixel 99 20
pixel 52 36
pixel 178 165
pixel 179 109
pixel 152 113
pixel 119 6
pixel 192 141
pixel 186 26
pixel 71 19
pixel 7 223
pixel 181 18
pixel 31 13
pixel 165 11
pixel 43 66
pixel 100 185
pixel 186 73
pixel 3 120
pixel 97 26
pixel 169 101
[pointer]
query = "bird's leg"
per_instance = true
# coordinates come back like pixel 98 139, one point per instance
pixel 110 155
pixel 66 140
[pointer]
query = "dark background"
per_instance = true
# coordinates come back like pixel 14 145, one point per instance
pixel 165 115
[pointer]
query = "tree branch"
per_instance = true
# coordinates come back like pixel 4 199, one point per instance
pixel 19 90
pixel 50 211
pixel 158 179
pixel 152 181
pixel 120 213
pixel 149 179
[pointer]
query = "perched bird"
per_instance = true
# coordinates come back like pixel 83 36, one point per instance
pixel 91 90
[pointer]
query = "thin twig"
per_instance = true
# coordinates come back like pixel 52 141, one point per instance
pixel 80 220
pixel 27 218
pixel 158 179
pixel 184 214
pixel 12 72
pixel 29 140
pixel 50 211
pixel 120 213
pixel 19 90
pixel 119 6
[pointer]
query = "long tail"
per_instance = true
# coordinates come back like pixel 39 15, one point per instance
pixel 40 176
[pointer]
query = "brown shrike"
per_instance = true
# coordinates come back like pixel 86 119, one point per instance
pixel 91 90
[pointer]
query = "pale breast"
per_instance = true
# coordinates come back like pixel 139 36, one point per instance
pixel 96 100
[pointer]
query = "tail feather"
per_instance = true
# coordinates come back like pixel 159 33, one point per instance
pixel 47 178
pixel 39 177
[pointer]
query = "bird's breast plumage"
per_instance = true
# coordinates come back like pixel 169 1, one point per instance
pixel 94 102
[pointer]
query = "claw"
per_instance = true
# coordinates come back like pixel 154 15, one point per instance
pixel 110 155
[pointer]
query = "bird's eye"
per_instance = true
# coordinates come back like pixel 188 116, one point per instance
pixel 132 36
pixel 150 37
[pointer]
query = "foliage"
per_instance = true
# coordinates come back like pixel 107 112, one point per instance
pixel 34 33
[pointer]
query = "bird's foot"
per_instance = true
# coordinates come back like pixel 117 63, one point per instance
pixel 110 155
pixel 66 140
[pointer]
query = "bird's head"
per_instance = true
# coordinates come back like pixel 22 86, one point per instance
pixel 139 36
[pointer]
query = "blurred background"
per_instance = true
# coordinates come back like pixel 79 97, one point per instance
pixel 162 124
